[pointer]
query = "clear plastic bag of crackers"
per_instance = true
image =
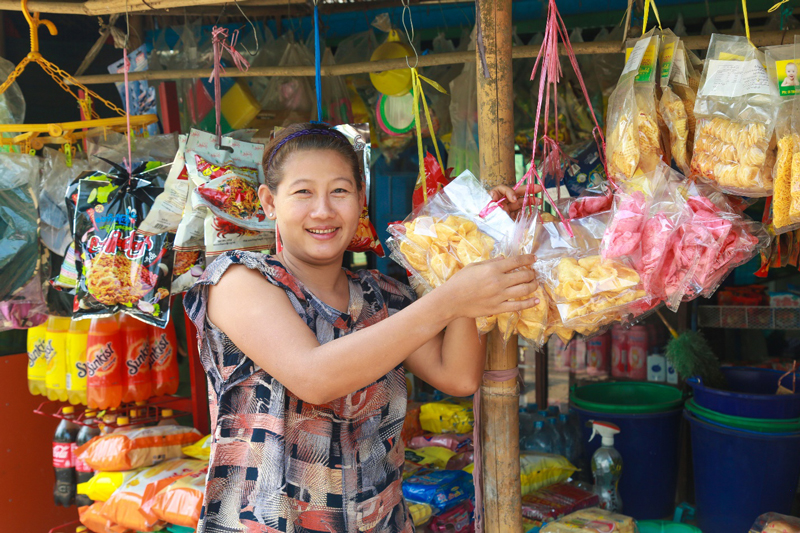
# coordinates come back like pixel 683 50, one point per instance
pixel 776 523
pixel 447 233
pixel 736 111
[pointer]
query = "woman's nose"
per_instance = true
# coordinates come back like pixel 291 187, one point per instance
pixel 322 208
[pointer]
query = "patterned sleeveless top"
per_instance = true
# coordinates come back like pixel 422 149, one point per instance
pixel 279 464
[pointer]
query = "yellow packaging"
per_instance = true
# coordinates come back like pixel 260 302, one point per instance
pixel 446 417
pixel 437 456
pixel 539 470
pixel 420 513
pixel 238 106
pixel 199 450
pixel 103 484
pixel 592 520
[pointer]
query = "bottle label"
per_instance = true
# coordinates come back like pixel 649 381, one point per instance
pixel 101 360
pixel 80 466
pixel 137 362
pixel 62 455
pixel 161 352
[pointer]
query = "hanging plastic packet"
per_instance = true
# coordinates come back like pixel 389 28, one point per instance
pixel 782 67
pixel 448 233
pixel 120 269
pixel 129 448
pixel 168 206
pixel 95 521
pixel 776 523
pixel 180 503
pixel 677 100
pixel 736 112
pixel 632 132
pixel 57 173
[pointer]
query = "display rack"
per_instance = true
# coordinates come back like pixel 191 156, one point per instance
pixel 748 317
pixel 66 528
pixel 153 410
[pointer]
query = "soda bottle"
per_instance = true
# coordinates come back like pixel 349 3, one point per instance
pixel 109 421
pixel 136 384
pixel 77 336
pixel 66 433
pixel 104 364
pixel 83 472
pixel 164 360
pixel 166 418
pixel 37 364
pixel 55 351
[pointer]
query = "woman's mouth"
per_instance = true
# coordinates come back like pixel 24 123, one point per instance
pixel 323 233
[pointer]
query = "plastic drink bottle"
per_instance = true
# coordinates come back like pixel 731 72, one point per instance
pixel 109 421
pixel 83 472
pixel 607 467
pixel 164 360
pixel 541 440
pixel 77 336
pixel 136 384
pixel 559 446
pixel 66 433
pixel 104 362
pixel 55 351
pixel 571 434
pixel 37 364
pixel 166 418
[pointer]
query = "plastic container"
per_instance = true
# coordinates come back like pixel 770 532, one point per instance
pixel 751 394
pixel 662 526
pixel 395 82
pixel 238 106
pixel 648 444
pixel 759 425
pixel 739 476
pixel 627 398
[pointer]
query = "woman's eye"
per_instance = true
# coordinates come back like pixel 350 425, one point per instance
pixel 341 191
pixel 303 191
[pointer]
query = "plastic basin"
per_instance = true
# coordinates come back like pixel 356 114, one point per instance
pixel 631 397
pixel 759 425
pixel 662 526
pixel 750 394
pixel 741 475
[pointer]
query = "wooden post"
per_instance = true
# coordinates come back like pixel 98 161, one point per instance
pixel 501 482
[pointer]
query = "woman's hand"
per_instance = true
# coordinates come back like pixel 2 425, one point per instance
pixel 514 200
pixel 487 287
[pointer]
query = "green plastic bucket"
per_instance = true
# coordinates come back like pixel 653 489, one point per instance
pixel 662 526
pixel 627 397
pixel 760 425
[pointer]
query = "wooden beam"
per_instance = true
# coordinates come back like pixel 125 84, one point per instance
pixel 502 500
pixel 697 42
pixel 108 7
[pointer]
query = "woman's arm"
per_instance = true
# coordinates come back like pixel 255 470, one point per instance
pixel 261 321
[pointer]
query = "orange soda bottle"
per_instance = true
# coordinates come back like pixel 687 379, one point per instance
pixel 104 364
pixel 164 359
pixel 136 382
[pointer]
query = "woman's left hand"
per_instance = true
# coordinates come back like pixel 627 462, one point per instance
pixel 514 198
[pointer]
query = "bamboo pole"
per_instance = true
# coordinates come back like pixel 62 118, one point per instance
pixel 500 408
pixel 697 42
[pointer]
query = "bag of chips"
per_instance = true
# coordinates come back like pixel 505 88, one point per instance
pixel 447 417
pixel 633 138
pixel 180 503
pixel 121 270
pixel 199 450
pixel 103 484
pixel 430 456
pixel 447 233
pixel 168 206
pixel 441 489
pixel 95 521
pixel 126 506
pixel 555 501
pixel 736 112
pixel 538 470
pixel 130 448
pixel 594 520
pixel 450 441
pixel 677 99
pixel 459 519
pixel 420 513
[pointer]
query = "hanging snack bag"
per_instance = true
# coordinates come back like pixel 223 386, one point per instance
pixel 119 268
pixel 448 233
pixel 633 139
pixel 103 484
pixel 93 518
pixel 168 206
pixel 180 503
pixel 677 100
pixel 736 112
pixel 130 448
pixel 782 69
pixel 126 506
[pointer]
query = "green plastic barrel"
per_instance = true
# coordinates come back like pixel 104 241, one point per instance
pixel 760 425
pixel 627 397
pixel 661 526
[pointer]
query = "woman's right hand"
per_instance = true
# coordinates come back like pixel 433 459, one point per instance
pixel 487 287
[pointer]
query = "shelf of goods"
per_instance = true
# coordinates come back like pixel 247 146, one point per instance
pixel 748 317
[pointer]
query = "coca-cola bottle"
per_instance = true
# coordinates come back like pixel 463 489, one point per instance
pixel 66 433
pixel 84 472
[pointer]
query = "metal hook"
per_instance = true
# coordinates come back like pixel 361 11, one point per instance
pixel 255 33
pixel 409 36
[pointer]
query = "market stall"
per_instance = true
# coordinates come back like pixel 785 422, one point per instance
pixel 663 177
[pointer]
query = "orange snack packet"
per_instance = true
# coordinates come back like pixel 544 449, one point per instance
pixel 126 449
pixel 94 520
pixel 181 502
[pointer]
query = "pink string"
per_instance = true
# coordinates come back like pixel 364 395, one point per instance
pixel 126 68
pixel 477 471
pixel 219 40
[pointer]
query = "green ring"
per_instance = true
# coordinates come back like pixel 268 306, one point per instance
pixel 382 105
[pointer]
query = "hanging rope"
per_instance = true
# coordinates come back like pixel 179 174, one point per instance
pixel 647 5
pixel 219 42
pixel 317 62
pixel 746 22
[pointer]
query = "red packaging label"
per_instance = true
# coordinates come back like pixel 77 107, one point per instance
pixel 79 465
pixel 62 455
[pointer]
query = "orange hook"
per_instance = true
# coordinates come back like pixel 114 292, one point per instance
pixel 34 23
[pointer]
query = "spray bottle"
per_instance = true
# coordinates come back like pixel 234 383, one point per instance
pixel 607 467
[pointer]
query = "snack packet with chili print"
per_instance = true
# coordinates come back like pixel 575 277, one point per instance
pixel 121 270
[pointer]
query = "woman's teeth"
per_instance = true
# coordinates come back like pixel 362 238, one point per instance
pixel 322 231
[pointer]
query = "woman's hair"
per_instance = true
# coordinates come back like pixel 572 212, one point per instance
pixel 306 137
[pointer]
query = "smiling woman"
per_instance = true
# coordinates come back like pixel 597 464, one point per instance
pixel 306 361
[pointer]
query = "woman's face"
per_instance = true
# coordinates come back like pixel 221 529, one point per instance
pixel 316 205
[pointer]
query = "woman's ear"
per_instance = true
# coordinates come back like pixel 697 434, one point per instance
pixel 267 201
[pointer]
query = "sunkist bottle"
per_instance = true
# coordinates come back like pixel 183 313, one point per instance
pixel 607 467
pixel 137 386
pixel 77 337
pixel 37 364
pixel 164 360
pixel 55 351
pixel 104 362
pixel 166 418
pixel 66 433
pixel 84 472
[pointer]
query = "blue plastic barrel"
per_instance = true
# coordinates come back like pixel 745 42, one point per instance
pixel 750 393
pixel 648 444
pixel 740 475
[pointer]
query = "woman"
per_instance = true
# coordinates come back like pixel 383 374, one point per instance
pixel 307 402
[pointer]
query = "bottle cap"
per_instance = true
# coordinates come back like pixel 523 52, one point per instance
pixel 134 413
pixel 141 404
pixel 89 414
pixel 123 421
pixel 607 430
pixel 68 410
pixel 81 529
pixel 166 413
pixel 538 424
